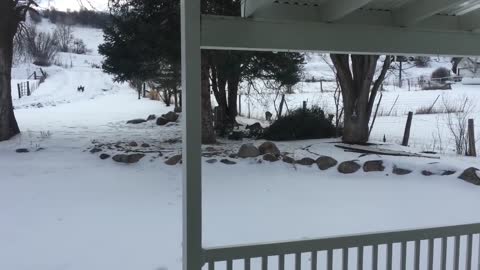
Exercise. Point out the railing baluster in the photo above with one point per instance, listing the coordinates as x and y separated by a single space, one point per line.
456 254
330 259
468 264
211 265
360 258
417 255
444 253
375 257
431 249
389 256
281 262
298 261
403 256
230 265
264 263
247 263
345 259
314 260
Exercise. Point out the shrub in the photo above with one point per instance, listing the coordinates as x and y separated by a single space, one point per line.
64 34
79 47
421 61
441 74
42 47
301 125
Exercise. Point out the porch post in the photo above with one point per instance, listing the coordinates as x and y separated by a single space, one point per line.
191 107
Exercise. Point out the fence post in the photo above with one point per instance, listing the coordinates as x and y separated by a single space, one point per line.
280 110
19 91
28 88
304 106
406 135
472 151
240 104
321 85
144 87
35 75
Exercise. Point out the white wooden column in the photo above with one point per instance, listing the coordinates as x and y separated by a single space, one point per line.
192 174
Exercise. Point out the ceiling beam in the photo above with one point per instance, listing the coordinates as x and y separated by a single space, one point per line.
250 34
249 7
416 11
334 10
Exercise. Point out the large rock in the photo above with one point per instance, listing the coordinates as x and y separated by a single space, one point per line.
248 151
136 121
270 157
171 116
373 166
471 175
269 148
400 171
161 121
174 160
288 159
104 156
348 167
129 159
306 161
151 117
325 162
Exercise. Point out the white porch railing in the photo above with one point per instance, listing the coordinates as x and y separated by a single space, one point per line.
429 248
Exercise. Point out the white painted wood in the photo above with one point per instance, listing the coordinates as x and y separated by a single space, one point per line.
471 21
251 34
334 10
192 174
416 11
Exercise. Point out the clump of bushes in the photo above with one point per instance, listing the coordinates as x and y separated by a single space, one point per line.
301 125
79 47
441 74
41 47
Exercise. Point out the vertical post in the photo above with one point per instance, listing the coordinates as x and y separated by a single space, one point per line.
28 88
34 75
240 104
472 151
192 129
144 90
321 85
19 91
406 135
280 110
304 106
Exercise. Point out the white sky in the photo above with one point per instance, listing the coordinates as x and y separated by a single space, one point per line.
74 4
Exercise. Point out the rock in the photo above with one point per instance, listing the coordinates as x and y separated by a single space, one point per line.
325 162
399 171
151 117
233 156
448 172
133 144
305 161
248 151
171 116
471 175
145 145
22 150
373 166
427 173
129 159
178 109
269 148
95 150
212 161
104 156
270 157
348 167
162 121
174 160
288 159
136 121
227 161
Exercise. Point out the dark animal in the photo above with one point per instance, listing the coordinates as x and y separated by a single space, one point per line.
81 89
268 116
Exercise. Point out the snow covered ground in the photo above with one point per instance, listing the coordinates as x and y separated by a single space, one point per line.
63 208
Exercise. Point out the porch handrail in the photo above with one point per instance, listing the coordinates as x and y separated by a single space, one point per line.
329 244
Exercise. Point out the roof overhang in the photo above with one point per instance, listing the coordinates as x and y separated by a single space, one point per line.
448 27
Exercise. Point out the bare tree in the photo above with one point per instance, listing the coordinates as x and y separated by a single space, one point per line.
355 74
40 46
65 37
12 14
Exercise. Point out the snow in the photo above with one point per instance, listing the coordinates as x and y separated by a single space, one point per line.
64 208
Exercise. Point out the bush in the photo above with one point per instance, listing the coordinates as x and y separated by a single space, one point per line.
422 61
42 47
301 125
79 47
441 74
64 34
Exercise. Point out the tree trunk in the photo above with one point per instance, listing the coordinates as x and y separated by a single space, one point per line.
208 133
8 123
233 83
